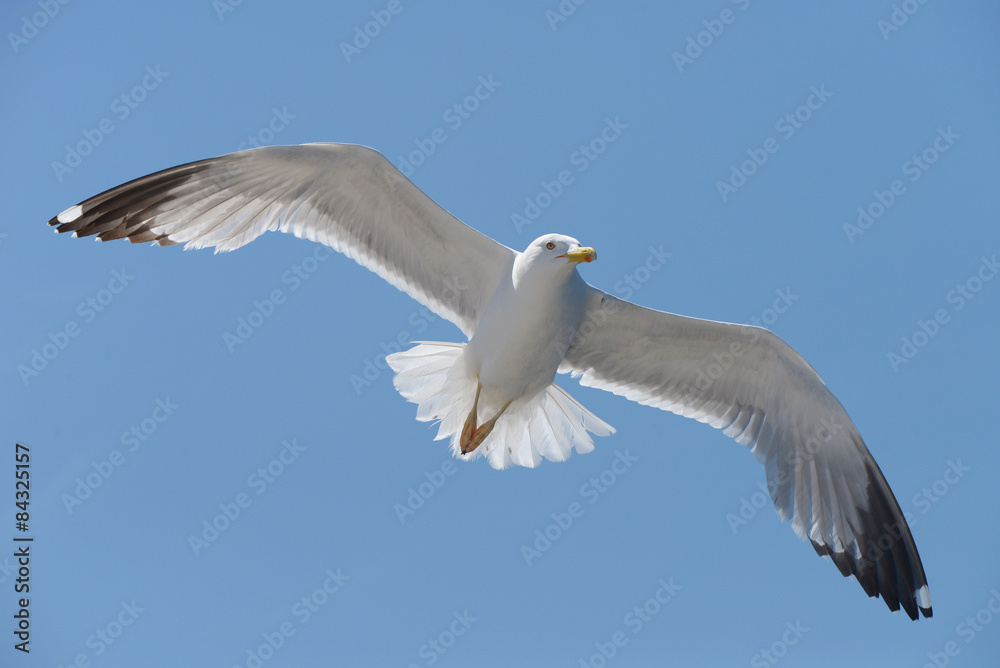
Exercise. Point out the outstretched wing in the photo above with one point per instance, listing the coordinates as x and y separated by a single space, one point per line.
347 197
750 384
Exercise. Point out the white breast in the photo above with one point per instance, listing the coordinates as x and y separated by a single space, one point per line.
524 333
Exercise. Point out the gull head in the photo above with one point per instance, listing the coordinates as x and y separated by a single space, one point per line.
558 250
552 258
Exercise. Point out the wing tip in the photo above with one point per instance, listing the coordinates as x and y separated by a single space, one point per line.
923 597
68 216
919 603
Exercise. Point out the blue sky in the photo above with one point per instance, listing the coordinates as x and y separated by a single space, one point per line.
829 171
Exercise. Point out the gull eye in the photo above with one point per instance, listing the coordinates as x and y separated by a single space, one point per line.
550 246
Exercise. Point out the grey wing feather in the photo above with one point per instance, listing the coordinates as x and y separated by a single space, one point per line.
348 197
750 384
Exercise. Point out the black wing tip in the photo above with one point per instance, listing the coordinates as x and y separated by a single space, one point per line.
914 610
124 211
63 221
888 564
910 601
136 235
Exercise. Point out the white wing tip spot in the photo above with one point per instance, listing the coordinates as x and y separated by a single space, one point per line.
924 597
70 214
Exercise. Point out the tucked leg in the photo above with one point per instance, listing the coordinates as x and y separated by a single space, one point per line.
470 422
482 432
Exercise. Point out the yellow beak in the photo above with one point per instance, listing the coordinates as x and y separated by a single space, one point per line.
581 254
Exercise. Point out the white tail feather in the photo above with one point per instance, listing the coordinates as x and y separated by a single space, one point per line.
550 424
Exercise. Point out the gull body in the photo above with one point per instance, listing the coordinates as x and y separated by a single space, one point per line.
526 329
528 316
524 332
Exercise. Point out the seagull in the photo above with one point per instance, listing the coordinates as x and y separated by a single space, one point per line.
527 316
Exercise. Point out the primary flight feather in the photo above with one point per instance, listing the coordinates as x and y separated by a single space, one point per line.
529 315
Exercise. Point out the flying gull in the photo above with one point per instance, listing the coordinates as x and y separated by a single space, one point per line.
528 315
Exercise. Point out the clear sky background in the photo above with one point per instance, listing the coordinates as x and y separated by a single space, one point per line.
449 583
